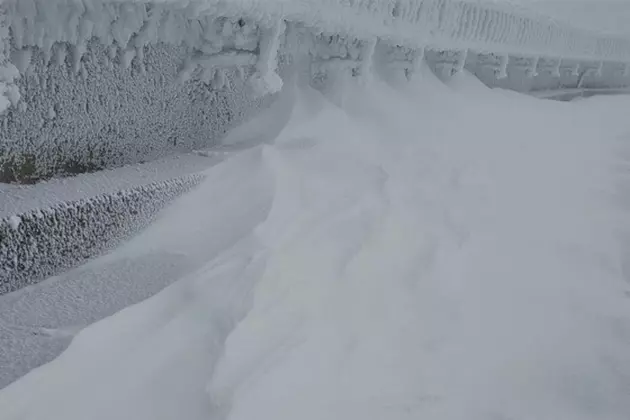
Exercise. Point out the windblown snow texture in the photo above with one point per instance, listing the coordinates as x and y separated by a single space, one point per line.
41 243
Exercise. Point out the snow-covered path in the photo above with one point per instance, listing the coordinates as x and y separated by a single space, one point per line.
406 251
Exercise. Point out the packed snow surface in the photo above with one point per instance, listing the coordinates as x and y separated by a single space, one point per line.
410 251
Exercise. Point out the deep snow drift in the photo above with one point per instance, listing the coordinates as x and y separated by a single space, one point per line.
411 251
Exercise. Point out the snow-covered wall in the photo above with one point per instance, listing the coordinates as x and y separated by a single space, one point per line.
108 86
110 115
91 84
41 243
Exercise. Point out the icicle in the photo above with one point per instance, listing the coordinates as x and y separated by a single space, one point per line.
22 59
461 61
367 60
240 71
140 56
532 70
83 72
416 63
589 72
555 72
127 57
186 71
599 72
12 92
219 79
47 50
79 50
112 52
266 79
503 66
575 72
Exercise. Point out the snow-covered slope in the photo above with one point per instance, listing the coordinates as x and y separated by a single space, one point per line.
413 250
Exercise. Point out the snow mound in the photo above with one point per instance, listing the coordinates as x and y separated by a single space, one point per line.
417 251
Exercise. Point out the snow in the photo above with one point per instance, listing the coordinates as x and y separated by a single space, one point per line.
17 199
405 250
602 16
130 80
4 101
115 116
14 222
449 24
31 317
53 240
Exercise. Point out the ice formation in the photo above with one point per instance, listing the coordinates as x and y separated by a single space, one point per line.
56 55
107 83
210 27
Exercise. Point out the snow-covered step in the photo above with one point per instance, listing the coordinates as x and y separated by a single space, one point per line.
17 199
40 243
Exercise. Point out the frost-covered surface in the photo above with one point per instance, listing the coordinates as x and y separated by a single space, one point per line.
490 26
400 251
99 83
113 116
18 199
9 94
43 242
38 322
603 16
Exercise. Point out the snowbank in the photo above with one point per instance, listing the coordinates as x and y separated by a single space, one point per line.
40 243
115 115
414 250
